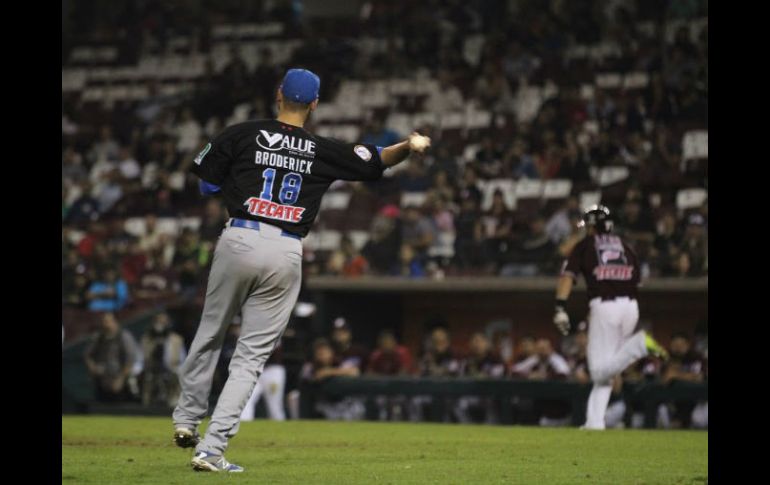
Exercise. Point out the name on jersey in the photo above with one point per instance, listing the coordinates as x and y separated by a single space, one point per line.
271 210
278 141
614 272
281 161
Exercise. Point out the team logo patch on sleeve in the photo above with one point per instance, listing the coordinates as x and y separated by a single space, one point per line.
202 154
363 153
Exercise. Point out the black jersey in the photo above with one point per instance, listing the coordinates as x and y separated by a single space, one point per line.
609 266
276 173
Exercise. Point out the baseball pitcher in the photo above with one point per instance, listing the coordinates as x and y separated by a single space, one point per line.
271 175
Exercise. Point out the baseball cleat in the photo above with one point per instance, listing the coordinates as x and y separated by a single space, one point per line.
186 438
209 462
654 348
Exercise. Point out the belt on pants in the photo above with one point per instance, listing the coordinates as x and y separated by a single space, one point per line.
612 298
248 224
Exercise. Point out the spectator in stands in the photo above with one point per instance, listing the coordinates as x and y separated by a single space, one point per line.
412 264
524 351
441 187
574 163
492 89
693 249
376 133
543 364
497 224
133 263
665 249
488 158
109 293
534 254
637 224
413 178
164 353
128 166
646 370
323 366
213 221
560 225
346 352
481 362
468 234
190 257
389 358
74 280
548 163
188 132
346 260
73 170
687 365
105 148
382 249
85 208
417 232
106 179
110 359
442 218
546 364
74 290
468 187
149 241
519 161
502 345
439 360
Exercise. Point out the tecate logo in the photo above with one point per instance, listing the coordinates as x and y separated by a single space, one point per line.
278 141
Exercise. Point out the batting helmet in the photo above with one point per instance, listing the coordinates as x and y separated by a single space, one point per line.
599 217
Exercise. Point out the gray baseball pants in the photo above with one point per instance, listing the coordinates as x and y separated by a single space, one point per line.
255 273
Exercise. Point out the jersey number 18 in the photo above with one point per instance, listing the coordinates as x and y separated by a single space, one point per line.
290 186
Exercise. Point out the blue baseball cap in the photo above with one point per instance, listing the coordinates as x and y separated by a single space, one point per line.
300 86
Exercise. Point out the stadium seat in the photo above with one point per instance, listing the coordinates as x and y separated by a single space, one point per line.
610 175
695 145
608 80
557 189
322 240
359 238
589 198
413 199
335 201
690 198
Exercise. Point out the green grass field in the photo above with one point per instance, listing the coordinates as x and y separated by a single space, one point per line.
125 450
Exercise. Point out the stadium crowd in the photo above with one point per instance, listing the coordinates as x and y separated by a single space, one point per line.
124 160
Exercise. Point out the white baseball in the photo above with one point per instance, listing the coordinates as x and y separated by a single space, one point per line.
419 142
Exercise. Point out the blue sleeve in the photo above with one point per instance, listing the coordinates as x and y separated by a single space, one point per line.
379 149
208 188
